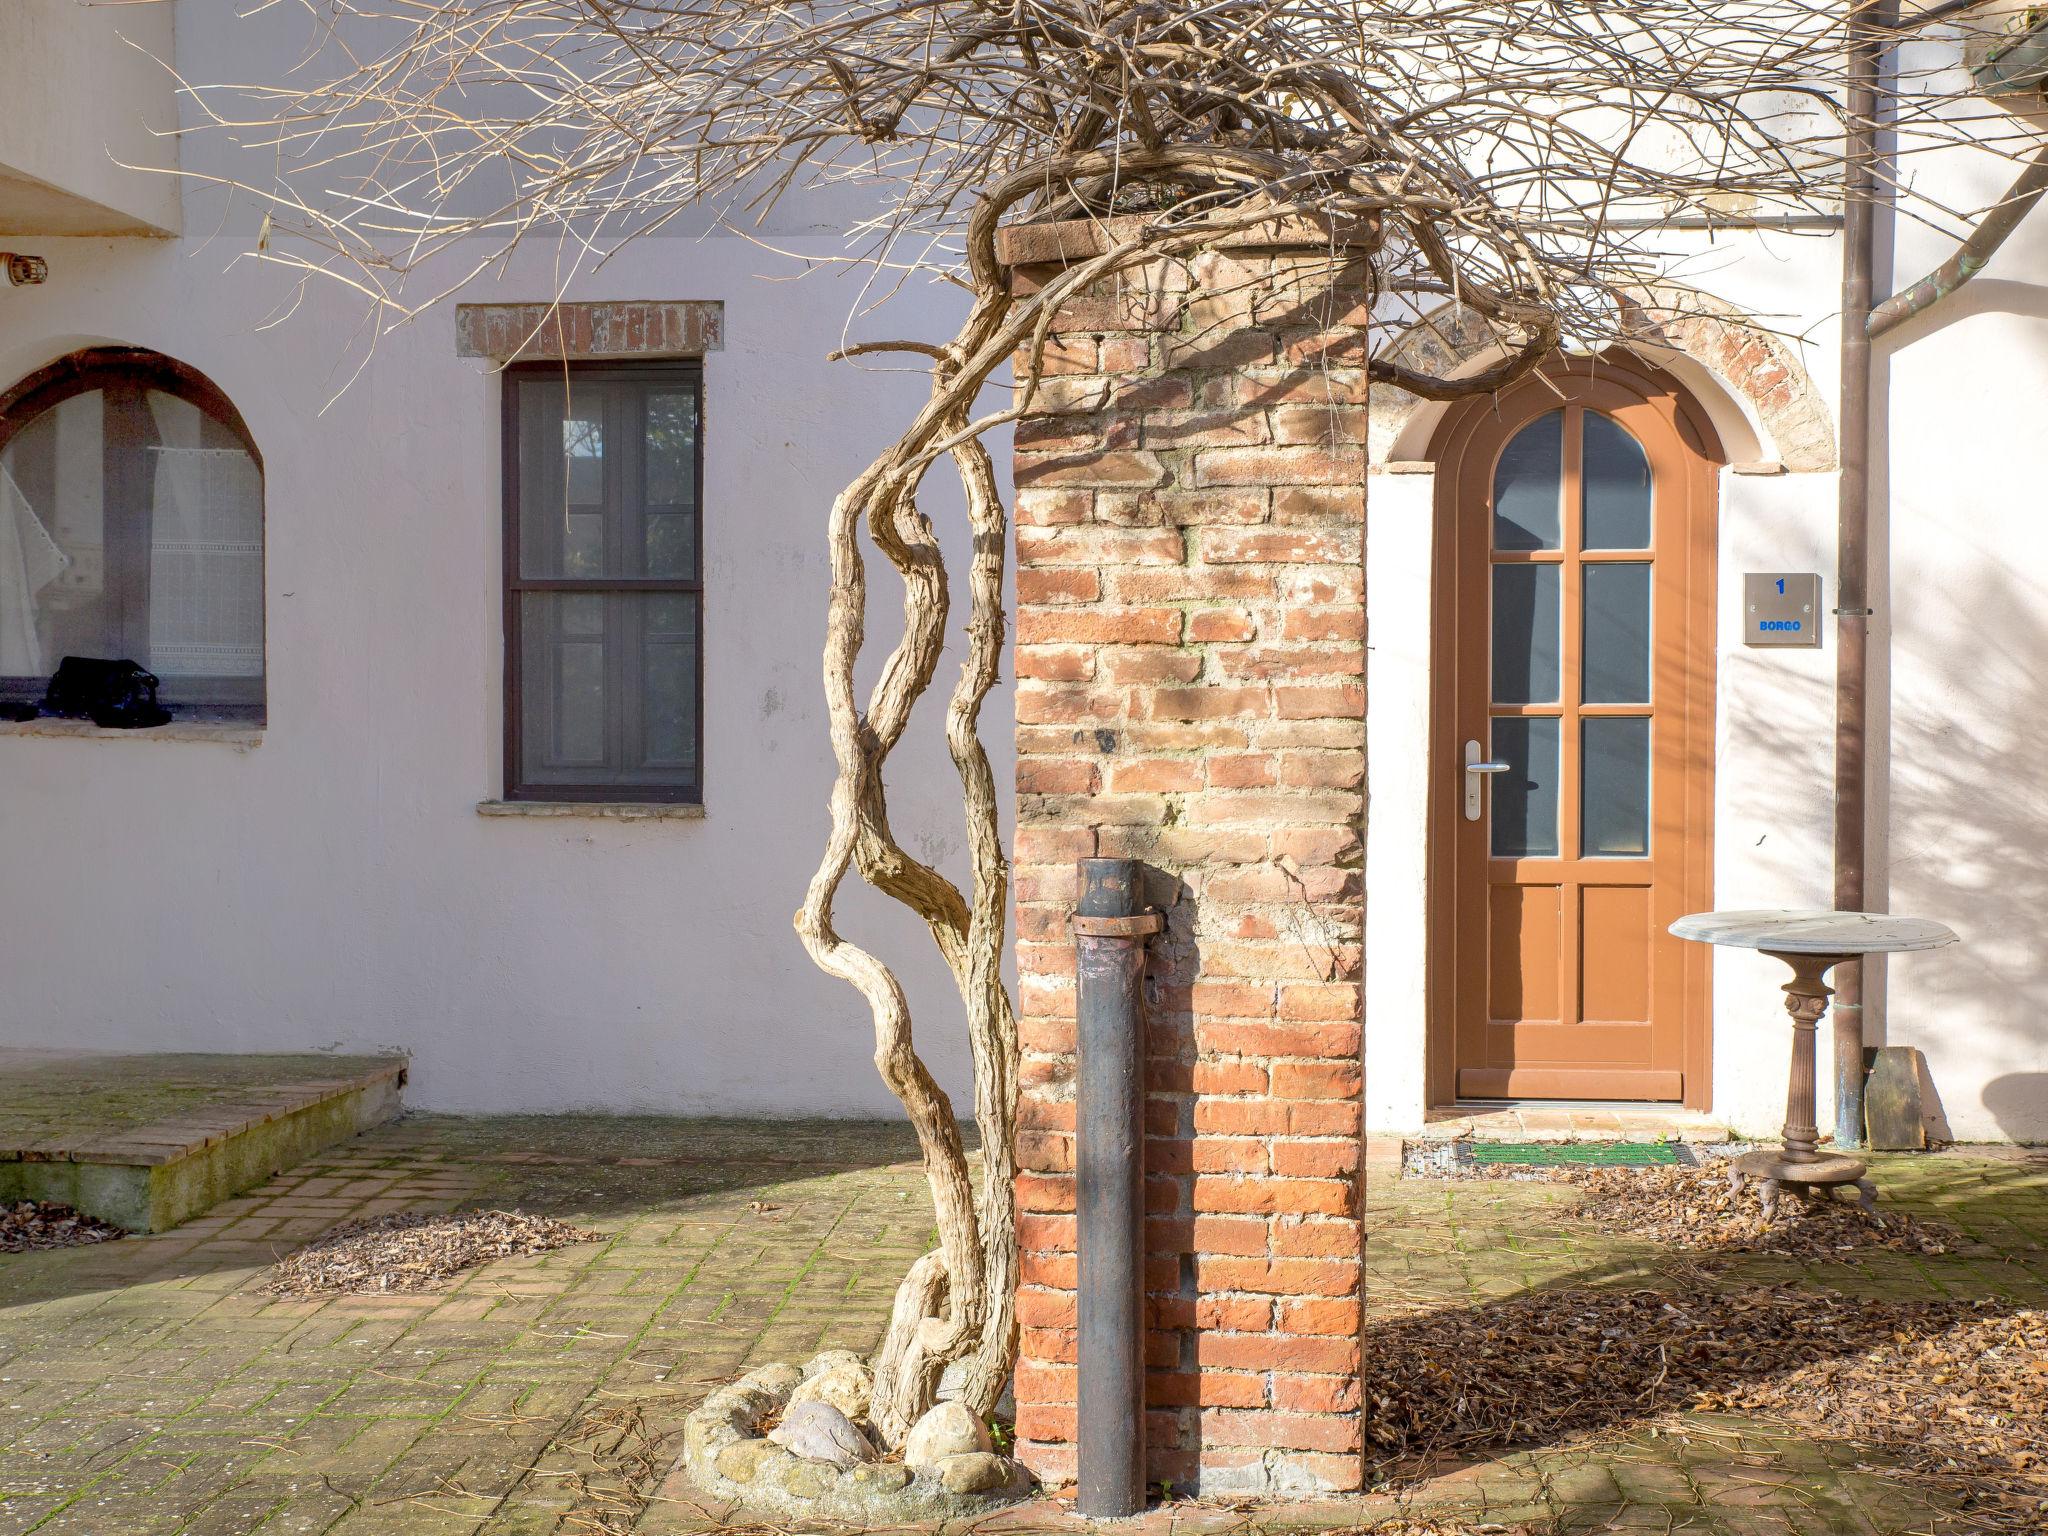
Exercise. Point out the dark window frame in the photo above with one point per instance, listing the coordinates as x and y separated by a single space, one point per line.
128 372
682 372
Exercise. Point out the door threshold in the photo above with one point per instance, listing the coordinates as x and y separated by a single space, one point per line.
1538 1120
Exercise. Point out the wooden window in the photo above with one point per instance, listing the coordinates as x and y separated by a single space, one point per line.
604 601
131 528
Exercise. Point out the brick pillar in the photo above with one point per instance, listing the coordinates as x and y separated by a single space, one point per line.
1190 516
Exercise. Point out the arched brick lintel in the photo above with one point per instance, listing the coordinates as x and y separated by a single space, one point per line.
1758 373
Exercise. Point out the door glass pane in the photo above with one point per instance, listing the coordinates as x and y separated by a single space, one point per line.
1527 486
1525 797
1614 811
1617 486
1617 633
1526 628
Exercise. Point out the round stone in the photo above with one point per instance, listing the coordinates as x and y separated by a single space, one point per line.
820 1432
811 1479
881 1477
951 1429
829 1359
742 1461
974 1472
847 1385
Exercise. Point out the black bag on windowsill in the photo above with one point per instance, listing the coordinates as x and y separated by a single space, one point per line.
115 695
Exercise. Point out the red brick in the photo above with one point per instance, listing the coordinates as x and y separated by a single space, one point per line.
1321 422
1045 1192
1315 1159
1316 1080
1056 663
1226 624
1247 770
1099 625
1279 466
1152 664
1042 1307
1284 1431
1278 546
1058 586
1160 774
1316 1394
1052 508
1231 1077
1275 1352
1278 1196
1240 1235
1335 1318
1051 776
1210 703
1317 1239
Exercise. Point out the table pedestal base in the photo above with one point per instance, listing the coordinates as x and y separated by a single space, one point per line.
1779 1174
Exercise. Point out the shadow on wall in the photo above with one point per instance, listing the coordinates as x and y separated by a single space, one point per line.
2018 1101
1968 829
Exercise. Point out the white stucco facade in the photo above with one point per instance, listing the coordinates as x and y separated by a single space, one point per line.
328 882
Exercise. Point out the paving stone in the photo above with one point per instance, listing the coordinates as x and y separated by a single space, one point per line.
147 1385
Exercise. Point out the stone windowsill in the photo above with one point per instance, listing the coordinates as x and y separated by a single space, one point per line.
598 810
225 732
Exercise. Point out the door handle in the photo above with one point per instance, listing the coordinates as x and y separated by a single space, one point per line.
1476 771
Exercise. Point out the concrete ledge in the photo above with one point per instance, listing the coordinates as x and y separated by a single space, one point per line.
600 810
220 732
151 1177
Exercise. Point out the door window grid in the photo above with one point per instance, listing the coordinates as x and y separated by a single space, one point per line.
1571 625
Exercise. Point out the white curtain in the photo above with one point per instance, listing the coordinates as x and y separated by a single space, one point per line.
29 561
206 564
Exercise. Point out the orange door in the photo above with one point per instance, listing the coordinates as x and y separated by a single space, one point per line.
1575 741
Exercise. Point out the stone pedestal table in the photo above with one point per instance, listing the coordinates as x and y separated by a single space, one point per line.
1809 942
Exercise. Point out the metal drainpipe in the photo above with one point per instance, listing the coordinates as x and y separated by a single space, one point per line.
1109 1179
1866 26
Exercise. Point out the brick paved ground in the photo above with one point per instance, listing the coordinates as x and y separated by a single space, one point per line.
145 1387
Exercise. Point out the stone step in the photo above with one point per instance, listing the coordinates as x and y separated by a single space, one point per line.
149 1141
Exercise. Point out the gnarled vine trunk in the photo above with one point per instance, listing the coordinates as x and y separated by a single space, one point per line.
958 1302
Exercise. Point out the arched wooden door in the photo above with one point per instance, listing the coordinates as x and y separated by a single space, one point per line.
1574 752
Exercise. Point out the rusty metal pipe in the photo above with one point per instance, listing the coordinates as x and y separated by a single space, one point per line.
1109 1194
1970 257
1868 24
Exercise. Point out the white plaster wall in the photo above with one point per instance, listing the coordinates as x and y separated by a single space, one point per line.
334 886
1400 539
1964 614
86 113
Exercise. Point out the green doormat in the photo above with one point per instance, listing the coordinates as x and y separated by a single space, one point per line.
1591 1154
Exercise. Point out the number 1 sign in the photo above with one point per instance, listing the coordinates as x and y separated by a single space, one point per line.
1781 609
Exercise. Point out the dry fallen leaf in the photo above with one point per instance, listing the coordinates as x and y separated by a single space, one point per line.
410 1252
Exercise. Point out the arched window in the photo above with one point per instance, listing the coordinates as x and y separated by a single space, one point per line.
131 528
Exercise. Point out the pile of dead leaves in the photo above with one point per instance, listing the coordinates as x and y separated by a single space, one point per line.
1697 1208
400 1253
1949 1387
1968 1402
32 1225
